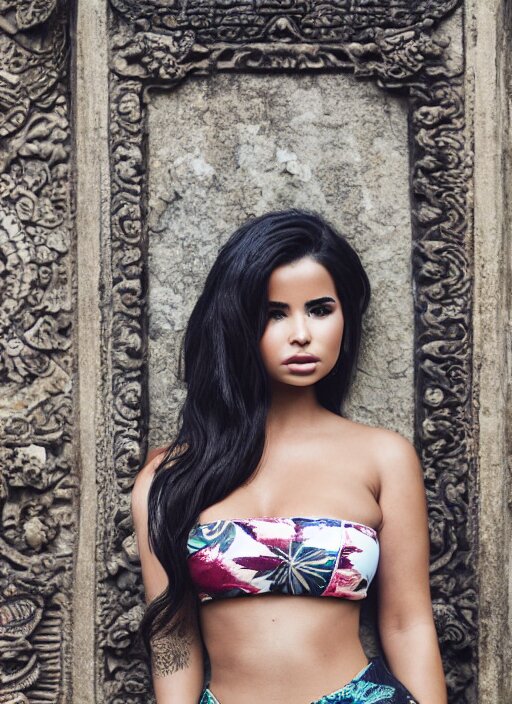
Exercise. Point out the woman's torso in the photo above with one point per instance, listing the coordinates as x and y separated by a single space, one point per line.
294 648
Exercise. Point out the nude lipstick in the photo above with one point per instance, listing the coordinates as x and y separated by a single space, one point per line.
301 363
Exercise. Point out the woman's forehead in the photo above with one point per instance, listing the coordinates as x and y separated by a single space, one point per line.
300 278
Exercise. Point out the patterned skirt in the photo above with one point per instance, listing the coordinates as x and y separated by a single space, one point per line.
375 684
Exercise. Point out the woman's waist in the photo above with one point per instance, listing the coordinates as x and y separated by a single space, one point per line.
250 633
284 659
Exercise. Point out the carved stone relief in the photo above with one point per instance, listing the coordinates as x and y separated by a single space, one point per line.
38 479
398 47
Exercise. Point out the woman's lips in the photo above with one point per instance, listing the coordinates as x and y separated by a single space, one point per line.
301 367
301 358
302 364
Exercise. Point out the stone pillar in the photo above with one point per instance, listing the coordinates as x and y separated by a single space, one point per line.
488 77
90 96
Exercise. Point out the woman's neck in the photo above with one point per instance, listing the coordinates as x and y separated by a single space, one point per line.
293 409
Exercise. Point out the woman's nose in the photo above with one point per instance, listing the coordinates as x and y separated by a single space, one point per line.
300 331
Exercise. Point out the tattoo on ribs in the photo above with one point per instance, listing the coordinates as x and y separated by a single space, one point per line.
170 651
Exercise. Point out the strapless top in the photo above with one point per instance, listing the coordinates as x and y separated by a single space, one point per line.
298 555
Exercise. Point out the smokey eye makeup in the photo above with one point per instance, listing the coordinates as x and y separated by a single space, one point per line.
317 306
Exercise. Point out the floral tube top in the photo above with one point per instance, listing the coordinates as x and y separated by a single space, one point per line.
301 556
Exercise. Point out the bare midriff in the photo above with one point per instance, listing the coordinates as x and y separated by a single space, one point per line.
281 648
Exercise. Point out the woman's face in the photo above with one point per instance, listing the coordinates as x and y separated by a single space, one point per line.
305 319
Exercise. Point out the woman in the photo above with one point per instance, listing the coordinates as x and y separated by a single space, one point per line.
270 511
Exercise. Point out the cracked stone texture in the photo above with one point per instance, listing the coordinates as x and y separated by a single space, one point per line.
232 146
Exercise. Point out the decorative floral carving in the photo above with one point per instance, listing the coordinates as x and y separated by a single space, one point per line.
38 482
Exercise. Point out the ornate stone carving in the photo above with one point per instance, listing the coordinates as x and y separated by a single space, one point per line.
395 45
38 481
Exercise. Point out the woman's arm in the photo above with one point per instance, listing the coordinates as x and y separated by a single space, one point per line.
176 659
406 622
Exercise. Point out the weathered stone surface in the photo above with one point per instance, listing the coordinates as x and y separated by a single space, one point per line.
327 143
461 405
489 84
39 478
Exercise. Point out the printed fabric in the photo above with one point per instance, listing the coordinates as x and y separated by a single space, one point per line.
375 684
300 556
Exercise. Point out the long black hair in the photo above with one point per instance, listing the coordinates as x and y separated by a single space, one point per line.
221 433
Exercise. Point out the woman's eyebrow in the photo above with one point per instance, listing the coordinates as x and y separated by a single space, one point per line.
308 304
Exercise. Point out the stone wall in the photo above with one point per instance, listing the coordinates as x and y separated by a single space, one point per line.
40 479
134 137
324 142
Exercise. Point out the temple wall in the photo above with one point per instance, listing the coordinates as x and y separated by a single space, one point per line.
134 137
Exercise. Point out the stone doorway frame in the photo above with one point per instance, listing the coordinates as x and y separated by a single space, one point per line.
154 46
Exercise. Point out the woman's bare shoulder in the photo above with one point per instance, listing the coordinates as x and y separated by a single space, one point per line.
145 476
387 446
357 426
394 454
153 460
156 454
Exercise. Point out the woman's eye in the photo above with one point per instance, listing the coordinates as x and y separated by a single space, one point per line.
322 311
275 314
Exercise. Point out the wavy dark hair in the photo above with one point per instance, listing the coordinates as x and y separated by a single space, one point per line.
222 421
